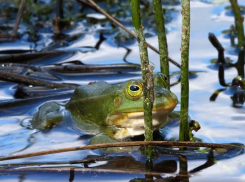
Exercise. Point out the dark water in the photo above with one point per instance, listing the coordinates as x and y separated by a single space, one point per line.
220 122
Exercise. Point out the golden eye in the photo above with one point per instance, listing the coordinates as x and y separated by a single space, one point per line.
134 89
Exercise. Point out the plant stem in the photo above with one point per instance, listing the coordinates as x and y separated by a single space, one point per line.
184 127
183 166
239 22
162 40
147 104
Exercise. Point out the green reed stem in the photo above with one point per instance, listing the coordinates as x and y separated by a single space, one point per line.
239 22
138 28
162 40
184 127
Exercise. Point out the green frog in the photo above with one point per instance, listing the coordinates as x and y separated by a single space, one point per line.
110 112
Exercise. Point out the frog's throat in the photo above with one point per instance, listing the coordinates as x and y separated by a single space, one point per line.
132 123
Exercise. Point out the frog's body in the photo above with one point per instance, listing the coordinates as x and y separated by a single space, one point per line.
115 110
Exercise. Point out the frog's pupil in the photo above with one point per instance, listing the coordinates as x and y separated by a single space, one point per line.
134 88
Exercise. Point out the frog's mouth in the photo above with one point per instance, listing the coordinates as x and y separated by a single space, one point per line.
132 123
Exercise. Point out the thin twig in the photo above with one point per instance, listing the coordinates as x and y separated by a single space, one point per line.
4 75
89 68
77 68
80 169
127 30
19 15
124 144
19 57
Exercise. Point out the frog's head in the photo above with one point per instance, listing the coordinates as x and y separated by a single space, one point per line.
128 113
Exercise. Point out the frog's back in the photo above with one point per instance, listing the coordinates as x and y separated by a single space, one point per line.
94 90
92 103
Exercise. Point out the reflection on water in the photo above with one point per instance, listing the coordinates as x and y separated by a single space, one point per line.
125 168
103 43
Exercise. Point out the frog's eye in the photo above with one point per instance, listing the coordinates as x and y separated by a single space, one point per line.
134 89
165 77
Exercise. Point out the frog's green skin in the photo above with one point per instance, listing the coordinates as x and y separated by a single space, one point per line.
109 109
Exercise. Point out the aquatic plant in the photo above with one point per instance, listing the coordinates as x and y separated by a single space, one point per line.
147 73
162 40
238 22
184 127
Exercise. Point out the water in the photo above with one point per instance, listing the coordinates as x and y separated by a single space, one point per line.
220 122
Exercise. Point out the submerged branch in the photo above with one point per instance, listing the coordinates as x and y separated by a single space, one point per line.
81 169
124 144
26 57
89 68
11 77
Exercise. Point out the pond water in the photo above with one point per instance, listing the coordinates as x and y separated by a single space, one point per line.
220 121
